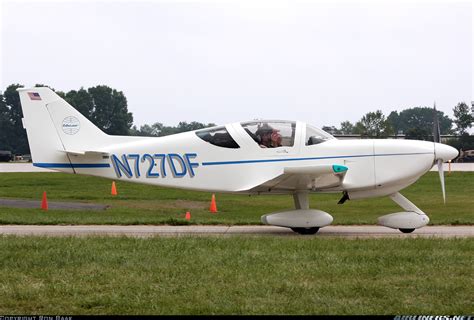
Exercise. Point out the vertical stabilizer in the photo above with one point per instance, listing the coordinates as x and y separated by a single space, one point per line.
53 127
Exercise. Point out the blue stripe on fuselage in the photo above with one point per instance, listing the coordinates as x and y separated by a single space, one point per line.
72 165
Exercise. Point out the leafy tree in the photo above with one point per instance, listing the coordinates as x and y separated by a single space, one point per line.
109 110
6 126
331 130
417 123
168 130
419 134
148 130
374 125
82 101
464 142
16 133
158 129
394 120
103 106
347 127
184 126
134 131
462 118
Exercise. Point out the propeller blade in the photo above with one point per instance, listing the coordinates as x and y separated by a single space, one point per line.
441 178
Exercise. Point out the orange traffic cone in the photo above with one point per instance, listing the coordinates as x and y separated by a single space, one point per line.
213 207
188 216
114 189
44 202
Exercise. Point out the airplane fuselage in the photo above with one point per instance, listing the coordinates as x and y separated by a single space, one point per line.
186 161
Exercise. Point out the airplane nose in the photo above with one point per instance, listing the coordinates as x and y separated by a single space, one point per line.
445 152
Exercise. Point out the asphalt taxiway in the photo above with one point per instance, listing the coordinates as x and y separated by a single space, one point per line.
256 230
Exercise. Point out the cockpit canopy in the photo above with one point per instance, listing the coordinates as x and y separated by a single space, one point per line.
315 135
266 133
271 134
218 136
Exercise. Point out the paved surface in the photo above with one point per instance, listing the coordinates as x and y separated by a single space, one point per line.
28 167
455 167
18 203
149 231
21 167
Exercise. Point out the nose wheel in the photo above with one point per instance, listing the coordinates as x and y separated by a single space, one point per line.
306 230
407 230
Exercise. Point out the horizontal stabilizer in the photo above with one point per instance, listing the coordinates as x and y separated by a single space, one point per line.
84 153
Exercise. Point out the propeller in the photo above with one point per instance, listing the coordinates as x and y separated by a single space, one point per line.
441 178
437 139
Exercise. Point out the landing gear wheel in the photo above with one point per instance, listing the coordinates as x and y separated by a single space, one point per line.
312 230
406 230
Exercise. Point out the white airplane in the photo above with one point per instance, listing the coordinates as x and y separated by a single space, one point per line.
252 157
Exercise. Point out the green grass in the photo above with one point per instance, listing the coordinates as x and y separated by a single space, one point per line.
235 275
144 204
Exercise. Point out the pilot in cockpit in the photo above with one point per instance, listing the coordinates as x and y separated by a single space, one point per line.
269 137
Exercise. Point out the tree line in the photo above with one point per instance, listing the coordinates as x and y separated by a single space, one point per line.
107 108
414 123
104 106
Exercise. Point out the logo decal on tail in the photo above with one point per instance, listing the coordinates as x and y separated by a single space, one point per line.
71 125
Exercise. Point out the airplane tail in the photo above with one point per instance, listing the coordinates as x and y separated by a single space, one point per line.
56 130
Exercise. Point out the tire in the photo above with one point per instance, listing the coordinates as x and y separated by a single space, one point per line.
407 230
312 230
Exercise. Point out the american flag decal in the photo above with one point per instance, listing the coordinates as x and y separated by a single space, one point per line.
34 95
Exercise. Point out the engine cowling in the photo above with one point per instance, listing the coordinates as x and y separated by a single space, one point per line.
298 218
404 220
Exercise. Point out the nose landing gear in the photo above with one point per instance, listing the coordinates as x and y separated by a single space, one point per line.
407 221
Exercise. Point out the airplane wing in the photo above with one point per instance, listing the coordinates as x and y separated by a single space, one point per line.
314 178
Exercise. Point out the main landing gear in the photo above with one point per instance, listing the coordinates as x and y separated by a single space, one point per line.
306 221
302 220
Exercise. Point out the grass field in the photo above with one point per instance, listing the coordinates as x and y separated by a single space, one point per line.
143 204
235 275
229 275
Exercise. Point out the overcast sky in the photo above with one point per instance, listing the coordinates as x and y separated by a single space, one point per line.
221 62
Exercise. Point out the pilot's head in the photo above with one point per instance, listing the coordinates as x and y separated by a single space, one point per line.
264 132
